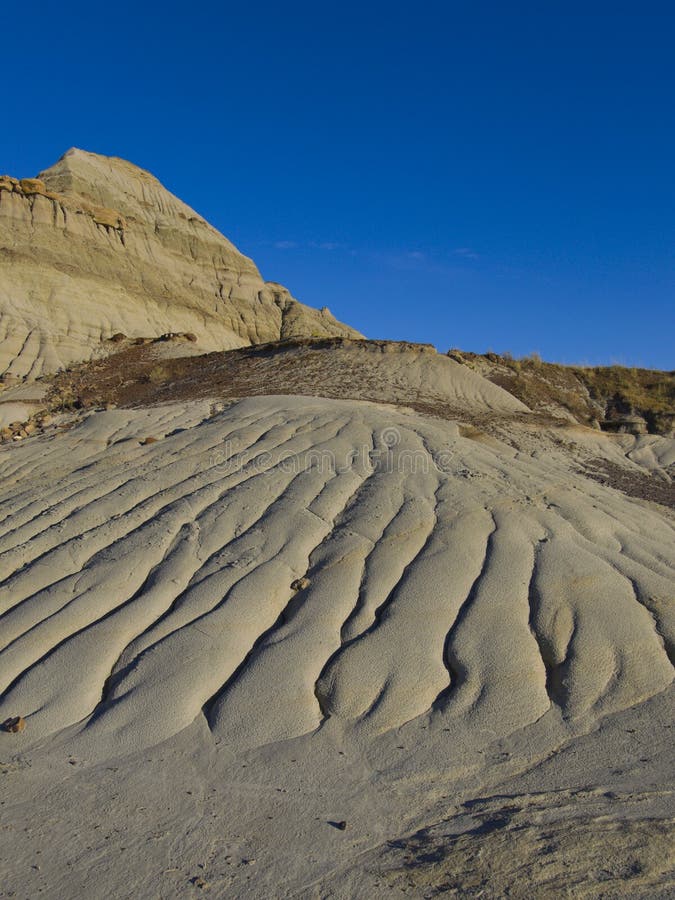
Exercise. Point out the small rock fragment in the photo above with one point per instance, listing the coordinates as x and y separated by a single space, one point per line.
300 584
14 724
32 186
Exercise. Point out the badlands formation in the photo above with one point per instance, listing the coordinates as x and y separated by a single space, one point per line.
96 246
323 617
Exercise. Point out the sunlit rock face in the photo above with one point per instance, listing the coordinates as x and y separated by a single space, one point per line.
97 246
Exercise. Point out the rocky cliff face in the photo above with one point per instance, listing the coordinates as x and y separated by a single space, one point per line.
96 246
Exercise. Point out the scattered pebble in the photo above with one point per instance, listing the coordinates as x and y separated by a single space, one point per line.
300 584
14 724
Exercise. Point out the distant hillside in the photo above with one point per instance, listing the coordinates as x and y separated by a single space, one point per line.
613 398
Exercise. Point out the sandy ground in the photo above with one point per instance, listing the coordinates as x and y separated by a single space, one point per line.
423 817
286 614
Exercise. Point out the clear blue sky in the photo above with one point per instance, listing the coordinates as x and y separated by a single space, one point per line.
484 175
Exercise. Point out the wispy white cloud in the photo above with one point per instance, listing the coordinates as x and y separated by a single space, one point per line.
426 260
327 245
313 245
466 252
430 260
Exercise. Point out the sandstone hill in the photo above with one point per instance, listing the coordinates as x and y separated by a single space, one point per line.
95 246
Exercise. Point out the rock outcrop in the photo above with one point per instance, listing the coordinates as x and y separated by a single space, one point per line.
96 246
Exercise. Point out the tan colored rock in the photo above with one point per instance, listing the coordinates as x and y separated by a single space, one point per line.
32 186
108 217
14 725
300 584
100 247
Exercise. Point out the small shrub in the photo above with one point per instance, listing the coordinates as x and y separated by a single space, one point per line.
158 375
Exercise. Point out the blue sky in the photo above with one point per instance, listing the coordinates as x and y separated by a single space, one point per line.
484 175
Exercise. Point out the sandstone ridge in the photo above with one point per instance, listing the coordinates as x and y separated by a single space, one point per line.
96 246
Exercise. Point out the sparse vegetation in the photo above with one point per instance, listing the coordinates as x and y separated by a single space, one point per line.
472 433
159 374
649 393
600 396
65 399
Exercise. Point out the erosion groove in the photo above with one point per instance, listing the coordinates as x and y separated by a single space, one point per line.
456 671
552 665
160 578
